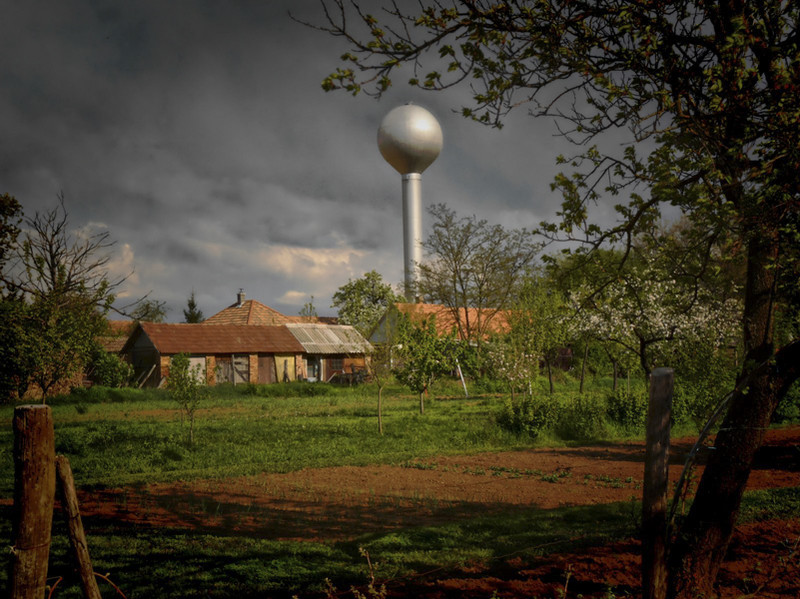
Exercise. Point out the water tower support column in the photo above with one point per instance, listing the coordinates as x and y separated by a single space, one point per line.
412 232
410 139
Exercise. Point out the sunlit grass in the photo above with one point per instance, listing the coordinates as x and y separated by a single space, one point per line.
143 440
124 436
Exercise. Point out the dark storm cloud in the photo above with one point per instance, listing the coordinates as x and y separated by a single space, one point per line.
198 135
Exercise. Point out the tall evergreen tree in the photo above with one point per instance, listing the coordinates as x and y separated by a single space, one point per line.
192 314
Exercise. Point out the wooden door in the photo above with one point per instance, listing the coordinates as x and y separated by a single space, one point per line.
266 370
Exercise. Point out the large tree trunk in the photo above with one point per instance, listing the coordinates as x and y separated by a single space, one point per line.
703 538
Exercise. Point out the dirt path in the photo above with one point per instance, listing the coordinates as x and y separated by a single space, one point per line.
329 502
346 502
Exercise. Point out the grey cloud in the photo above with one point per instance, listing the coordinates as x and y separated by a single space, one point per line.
199 134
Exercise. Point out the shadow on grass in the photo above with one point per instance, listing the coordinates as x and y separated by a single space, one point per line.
157 561
167 561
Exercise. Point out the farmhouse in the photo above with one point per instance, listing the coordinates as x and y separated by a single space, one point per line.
245 353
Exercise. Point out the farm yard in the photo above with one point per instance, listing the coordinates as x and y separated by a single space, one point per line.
290 490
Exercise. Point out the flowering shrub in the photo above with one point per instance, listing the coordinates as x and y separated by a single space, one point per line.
650 315
513 366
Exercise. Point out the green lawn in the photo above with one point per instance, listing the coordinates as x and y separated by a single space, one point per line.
142 438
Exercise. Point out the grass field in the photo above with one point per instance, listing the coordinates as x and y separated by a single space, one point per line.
118 438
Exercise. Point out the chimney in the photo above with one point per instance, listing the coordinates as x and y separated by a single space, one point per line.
240 298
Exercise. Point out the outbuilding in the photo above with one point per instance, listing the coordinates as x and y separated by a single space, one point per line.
228 353
225 353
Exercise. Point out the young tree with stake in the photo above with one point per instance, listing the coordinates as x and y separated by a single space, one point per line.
186 386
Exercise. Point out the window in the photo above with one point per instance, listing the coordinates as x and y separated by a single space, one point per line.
337 363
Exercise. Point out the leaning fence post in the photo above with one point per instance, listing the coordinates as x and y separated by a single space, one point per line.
34 494
77 537
656 472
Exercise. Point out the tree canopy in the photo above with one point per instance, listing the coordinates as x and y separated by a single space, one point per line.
362 302
422 354
308 310
707 97
10 218
470 263
58 291
149 310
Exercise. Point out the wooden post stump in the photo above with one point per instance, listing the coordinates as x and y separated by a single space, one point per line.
656 482
77 537
34 494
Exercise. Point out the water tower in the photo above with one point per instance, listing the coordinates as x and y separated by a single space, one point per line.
410 139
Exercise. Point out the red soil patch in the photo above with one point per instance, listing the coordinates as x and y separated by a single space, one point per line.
331 504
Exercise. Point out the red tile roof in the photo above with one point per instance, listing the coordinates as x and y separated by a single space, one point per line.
251 312
118 333
492 321
120 328
208 339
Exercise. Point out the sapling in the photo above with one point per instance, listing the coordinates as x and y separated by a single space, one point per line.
186 387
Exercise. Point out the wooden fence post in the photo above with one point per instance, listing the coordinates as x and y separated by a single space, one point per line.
77 537
656 471
34 494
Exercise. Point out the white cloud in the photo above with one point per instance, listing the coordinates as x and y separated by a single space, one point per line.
122 266
307 263
294 298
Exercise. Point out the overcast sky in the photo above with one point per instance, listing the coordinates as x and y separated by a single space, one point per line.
197 134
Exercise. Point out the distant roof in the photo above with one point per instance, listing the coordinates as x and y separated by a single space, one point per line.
329 339
210 339
252 312
118 333
494 321
121 327
249 312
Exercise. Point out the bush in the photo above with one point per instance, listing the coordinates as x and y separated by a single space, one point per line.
583 417
109 370
529 415
628 409
695 401
97 394
788 409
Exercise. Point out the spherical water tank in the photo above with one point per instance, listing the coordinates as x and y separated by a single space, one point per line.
409 138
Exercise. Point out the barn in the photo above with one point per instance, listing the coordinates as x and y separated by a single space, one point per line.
246 353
